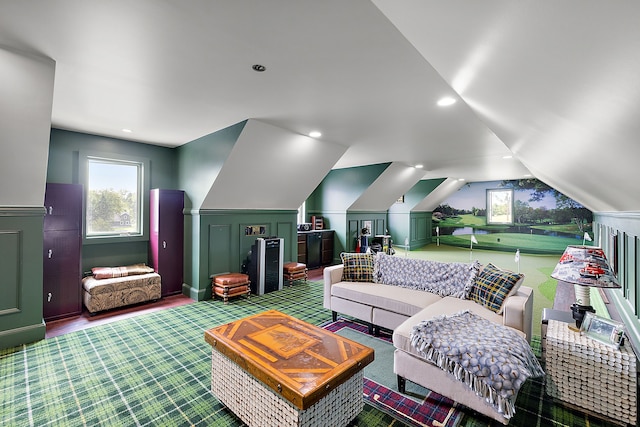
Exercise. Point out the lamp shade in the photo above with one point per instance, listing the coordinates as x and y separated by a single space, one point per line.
586 266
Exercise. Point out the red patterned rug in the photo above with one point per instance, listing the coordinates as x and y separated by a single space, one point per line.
419 407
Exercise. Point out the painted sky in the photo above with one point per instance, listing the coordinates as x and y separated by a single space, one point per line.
474 195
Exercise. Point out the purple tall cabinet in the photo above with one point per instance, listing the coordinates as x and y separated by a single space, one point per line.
62 243
167 237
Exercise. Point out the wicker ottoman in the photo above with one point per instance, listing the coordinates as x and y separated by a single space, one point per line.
231 285
273 370
293 271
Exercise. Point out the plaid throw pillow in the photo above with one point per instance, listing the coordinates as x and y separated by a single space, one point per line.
357 267
492 287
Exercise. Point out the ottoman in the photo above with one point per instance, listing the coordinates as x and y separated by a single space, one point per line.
293 271
230 285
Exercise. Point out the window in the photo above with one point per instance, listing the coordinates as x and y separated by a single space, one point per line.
302 213
114 202
500 206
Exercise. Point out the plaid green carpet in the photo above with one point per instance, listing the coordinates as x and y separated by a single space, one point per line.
154 370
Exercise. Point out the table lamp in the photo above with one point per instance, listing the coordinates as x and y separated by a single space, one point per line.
585 267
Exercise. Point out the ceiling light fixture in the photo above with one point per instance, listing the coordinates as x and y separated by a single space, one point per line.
315 134
460 179
259 68
419 166
507 157
127 130
446 101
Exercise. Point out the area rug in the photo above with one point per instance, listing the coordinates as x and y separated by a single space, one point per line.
419 406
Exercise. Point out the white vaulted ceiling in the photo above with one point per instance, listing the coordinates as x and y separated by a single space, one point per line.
554 84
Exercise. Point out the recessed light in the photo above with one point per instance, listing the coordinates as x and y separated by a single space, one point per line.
259 68
419 166
446 101
527 175
127 130
507 157
460 179
315 134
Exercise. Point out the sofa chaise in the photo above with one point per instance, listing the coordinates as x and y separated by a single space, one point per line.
398 293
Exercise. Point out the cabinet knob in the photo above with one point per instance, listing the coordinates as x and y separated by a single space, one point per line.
49 297
164 244
50 253
50 210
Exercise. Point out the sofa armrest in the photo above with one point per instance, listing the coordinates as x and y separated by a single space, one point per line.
518 311
331 275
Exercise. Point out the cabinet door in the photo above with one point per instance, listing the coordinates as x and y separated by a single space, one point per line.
302 248
61 274
63 205
314 249
167 238
327 247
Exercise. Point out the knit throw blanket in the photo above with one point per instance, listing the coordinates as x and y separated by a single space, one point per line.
441 278
493 360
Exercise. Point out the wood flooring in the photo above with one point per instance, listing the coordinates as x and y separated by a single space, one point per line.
85 320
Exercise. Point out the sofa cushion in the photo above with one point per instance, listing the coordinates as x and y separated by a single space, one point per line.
446 306
493 285
392 298
442 278
357 267
124 271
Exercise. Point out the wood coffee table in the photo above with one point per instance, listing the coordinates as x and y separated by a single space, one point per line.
274 369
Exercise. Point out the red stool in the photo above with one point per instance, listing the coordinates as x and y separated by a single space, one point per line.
231 285
293 271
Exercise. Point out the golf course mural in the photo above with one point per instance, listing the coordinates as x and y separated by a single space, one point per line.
525 215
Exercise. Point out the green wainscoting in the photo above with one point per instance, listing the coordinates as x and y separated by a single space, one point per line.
21 231
218 243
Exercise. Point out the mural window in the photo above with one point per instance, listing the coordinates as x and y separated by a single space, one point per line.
500 206
114 198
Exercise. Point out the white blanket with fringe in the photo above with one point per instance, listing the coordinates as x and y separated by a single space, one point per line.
492 359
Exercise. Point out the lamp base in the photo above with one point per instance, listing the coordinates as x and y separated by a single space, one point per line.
579 312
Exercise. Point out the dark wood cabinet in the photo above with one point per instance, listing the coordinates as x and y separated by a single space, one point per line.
166 238
327 247
315 248
62 243
302 248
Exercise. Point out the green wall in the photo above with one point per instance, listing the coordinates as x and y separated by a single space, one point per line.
63 167
21 231
223 245
412 226
333 197
200 161
618 233
342 187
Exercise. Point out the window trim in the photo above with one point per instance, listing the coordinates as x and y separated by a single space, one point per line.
144 188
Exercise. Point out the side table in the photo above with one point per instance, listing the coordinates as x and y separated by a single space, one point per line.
591 375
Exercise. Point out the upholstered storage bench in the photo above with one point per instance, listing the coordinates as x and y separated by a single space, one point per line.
294 271
230 285
104 294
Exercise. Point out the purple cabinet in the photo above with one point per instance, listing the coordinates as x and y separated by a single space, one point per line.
62 245
167 237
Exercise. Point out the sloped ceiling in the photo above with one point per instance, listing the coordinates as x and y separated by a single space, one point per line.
393 182
271 168
557 82
553 84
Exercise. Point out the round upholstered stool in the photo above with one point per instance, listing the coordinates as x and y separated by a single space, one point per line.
230 285
294 271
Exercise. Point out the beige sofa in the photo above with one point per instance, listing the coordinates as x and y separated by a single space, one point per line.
399 308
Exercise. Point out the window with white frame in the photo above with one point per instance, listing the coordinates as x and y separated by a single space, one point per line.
114 201
302 213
